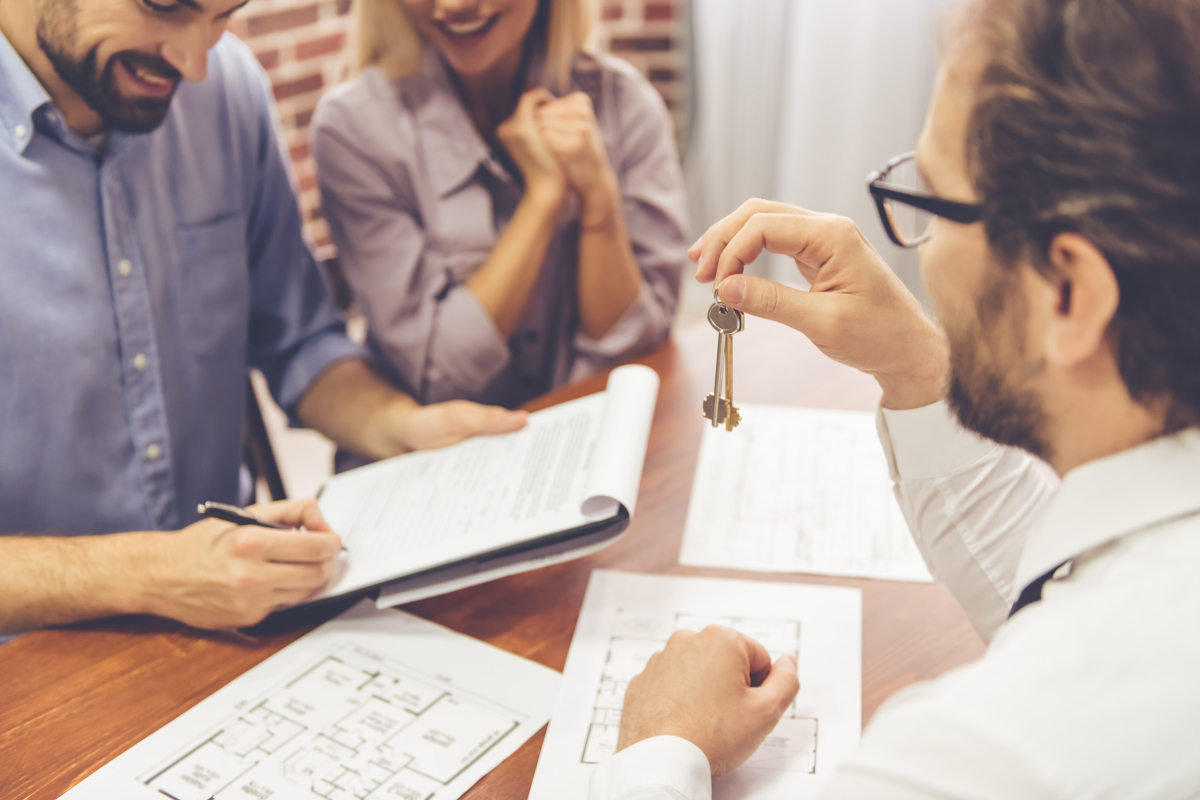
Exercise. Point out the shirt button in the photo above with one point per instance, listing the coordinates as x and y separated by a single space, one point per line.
139 362
153 452
19 131
124 267
51 116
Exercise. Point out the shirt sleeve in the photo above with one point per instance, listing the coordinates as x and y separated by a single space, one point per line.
654 204
658 768
295 331
430 327
969 502
912 750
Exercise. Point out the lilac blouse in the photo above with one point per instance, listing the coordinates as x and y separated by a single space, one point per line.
416 200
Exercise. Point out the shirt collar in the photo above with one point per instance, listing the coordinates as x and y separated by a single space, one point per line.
21 94
1111 497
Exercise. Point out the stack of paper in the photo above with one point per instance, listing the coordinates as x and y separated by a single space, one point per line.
798 490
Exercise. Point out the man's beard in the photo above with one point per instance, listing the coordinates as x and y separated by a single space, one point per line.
55 33
989 377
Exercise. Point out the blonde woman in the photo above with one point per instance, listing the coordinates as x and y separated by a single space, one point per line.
508 207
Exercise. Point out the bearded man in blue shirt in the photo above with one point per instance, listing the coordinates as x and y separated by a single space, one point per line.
152 252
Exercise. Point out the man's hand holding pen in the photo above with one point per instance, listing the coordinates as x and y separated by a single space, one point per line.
218 574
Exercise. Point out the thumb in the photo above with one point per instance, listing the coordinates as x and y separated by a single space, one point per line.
781 685
493 419
759 297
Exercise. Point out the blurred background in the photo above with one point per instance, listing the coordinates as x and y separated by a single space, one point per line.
791 100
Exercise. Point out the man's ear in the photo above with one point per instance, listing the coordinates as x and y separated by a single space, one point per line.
1085 294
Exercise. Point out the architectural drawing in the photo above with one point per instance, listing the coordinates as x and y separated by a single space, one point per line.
351 724
637 636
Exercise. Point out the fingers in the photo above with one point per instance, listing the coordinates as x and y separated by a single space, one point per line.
781 685
473 419
297 513
810 239
294 577
810 313
292 547
573 108
706 251
528 105
758 660
532 100
523 121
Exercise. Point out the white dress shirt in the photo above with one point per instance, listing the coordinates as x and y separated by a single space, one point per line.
1092 692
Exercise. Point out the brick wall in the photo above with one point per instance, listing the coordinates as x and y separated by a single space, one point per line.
305 47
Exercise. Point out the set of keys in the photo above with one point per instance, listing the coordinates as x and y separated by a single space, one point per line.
718 406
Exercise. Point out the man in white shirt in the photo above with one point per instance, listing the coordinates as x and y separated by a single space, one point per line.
1057 206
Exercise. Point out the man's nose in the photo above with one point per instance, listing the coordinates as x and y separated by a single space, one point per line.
187 52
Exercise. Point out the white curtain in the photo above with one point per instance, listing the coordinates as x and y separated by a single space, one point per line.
798 100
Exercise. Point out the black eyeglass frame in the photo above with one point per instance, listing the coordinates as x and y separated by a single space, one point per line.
962 213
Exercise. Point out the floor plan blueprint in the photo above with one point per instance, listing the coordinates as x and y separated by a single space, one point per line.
637 636
627 618
409 712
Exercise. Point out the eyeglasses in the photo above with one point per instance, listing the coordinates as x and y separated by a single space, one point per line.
906 205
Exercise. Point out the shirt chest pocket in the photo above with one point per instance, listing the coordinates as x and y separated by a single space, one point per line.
214 302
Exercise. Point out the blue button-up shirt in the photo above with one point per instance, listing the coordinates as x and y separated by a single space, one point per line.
139 279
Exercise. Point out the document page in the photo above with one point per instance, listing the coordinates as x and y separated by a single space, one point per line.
574 463
798 490
373 704
626 618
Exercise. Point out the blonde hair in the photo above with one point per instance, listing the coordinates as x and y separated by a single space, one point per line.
388 39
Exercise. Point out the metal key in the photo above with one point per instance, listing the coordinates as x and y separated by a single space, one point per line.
718 406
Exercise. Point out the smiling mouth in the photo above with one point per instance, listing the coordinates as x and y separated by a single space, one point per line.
152 80
466 30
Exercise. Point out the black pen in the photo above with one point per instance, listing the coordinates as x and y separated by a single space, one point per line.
228 513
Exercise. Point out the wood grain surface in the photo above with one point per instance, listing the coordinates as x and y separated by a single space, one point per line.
75 697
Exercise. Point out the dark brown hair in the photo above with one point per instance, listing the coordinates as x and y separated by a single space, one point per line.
1088 120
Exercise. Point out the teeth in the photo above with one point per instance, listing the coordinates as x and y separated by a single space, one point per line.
150 77
466 28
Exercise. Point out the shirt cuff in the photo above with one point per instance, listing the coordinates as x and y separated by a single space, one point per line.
666 762
927 442
640 325
314 357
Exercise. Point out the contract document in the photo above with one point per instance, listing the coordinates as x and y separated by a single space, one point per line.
798 490
566 484
626 618
373 704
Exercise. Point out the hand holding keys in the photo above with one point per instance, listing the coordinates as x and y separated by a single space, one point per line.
719 406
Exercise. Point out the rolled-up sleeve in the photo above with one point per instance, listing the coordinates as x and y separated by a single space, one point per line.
655 207
969 502
295 332
429 325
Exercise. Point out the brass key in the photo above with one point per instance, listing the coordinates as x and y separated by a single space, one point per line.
718 406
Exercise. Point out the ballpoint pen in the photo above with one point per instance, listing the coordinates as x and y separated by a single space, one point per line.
228 513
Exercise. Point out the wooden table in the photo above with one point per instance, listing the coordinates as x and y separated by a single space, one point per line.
75 697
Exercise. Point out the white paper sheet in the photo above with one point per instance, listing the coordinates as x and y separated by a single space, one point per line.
573 463
626 618
798 490
377 703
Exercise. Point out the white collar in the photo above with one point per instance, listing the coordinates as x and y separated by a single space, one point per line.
1111 497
